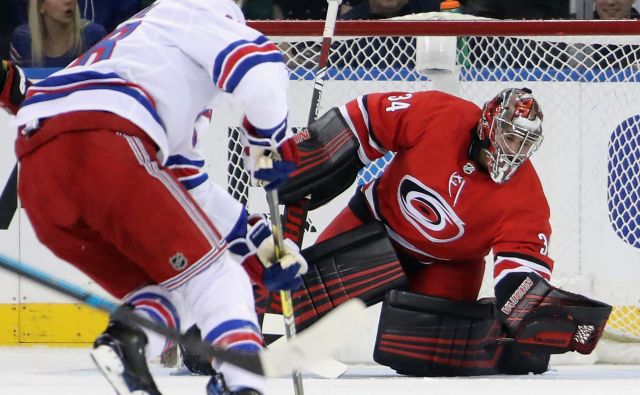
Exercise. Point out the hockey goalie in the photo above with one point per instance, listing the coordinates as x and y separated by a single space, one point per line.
460 186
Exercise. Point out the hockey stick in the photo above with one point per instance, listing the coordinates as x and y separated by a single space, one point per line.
295 229
296 214
9 199
285 296
272 362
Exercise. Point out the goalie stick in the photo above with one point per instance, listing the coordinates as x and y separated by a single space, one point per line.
296 215
285 296
322 338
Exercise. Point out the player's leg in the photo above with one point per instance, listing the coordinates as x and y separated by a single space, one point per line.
459 280
121 193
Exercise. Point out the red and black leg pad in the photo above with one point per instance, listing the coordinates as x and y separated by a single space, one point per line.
328 162
360 263
539 317
425 336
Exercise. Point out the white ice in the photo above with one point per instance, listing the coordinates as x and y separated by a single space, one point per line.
69 371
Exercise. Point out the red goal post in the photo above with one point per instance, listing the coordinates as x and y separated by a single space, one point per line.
586 75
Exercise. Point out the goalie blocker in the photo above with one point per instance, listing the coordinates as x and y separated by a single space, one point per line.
425 336
328 162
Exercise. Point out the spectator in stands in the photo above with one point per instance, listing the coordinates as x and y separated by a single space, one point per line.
297 9
260 9
8 21
110 13
615 9
54 35
347 5
510 9
381 9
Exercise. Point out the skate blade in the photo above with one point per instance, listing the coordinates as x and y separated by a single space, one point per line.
112 368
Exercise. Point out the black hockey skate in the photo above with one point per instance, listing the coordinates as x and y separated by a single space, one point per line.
119 353
217 386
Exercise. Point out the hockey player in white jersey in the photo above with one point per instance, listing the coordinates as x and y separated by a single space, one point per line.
99 143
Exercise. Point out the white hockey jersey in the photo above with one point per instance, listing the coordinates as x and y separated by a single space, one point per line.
160 70
163 66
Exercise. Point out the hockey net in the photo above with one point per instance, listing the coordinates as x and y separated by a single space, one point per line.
586 76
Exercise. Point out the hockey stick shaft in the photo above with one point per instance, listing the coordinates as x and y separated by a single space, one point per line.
323 62
285 296
318 86
250 362
9 199
295 229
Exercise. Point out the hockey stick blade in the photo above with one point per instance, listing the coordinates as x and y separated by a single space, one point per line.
323 366
268 362
316 342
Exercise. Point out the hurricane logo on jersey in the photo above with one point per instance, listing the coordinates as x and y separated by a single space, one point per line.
428 212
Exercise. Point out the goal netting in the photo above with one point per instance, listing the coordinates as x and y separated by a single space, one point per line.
586 77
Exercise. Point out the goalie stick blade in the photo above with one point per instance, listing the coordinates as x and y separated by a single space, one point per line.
319 340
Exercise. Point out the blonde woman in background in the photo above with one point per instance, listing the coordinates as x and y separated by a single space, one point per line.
54 36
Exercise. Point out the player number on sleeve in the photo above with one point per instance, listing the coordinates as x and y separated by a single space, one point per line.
545 243
397 102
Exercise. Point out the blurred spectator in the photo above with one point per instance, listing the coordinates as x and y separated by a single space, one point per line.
512 9
615 9
54 36
109 13
347 5
300 9
380 9
260 9
8 21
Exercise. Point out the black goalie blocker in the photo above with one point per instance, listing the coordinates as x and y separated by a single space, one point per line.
425 336
328 162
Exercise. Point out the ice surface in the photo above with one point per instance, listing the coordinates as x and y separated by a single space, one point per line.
69 371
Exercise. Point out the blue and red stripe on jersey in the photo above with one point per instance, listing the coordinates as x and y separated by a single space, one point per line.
233 62
187 171
60 86
158 307
241 335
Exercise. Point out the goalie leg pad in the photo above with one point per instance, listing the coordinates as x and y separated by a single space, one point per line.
328 162
360 263
421 335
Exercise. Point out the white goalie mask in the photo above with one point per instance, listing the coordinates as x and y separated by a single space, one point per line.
510 132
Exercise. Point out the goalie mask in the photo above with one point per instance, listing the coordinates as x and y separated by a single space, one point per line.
509 132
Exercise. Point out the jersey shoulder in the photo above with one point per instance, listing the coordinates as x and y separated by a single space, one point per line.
525 189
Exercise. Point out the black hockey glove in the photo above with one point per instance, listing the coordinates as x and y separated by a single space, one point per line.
547 319
13 86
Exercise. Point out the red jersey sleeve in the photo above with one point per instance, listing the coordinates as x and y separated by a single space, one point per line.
522 242
394 121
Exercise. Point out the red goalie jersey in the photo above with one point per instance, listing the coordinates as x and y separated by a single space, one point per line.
442 210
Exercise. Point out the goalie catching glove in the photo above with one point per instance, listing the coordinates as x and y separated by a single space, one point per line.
541 317
260 258
269 158
13 86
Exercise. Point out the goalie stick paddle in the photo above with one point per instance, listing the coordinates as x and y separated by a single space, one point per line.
324 337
